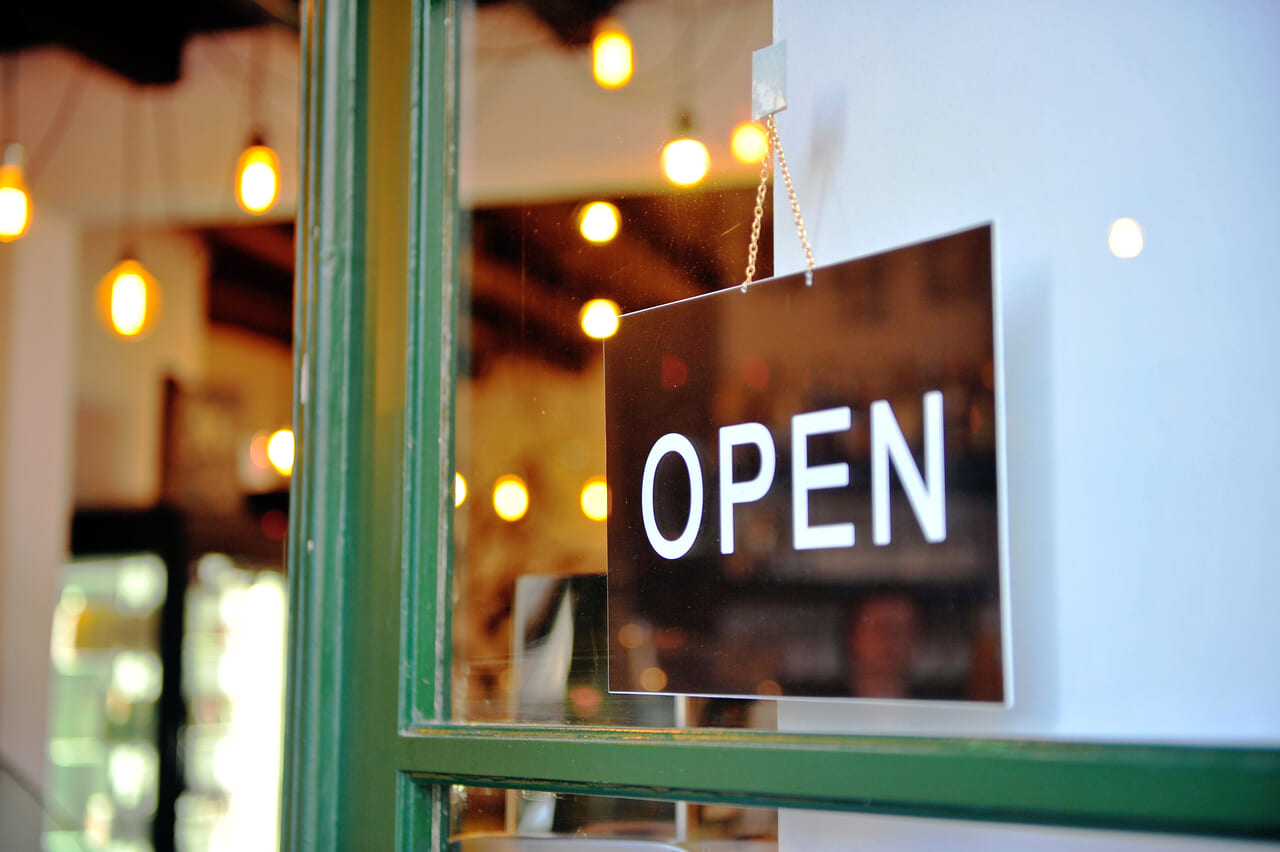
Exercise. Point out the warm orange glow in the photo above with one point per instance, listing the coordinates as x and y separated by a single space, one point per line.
459 490
595 499
598 222
510 498
15 203
280 451
685 161
128 298
611 57
599 318
749 143
257 179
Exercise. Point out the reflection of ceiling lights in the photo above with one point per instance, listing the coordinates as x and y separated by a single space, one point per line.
510 498
749 143
1125 238
595 499
685 161
280 451
598 222
599 318
611 56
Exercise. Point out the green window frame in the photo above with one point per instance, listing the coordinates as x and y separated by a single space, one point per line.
370 750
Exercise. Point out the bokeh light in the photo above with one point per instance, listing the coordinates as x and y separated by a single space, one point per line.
599 318
459 490
510 498
280 451
749 143
595 499
1125 238
257 179
685 161
15 203
611 57
599 222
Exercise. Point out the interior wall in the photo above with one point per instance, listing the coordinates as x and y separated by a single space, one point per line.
36 340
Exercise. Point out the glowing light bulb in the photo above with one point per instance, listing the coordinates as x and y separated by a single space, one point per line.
749 144
257 178
685 161
15 201
599 221
459 490
1125 238
128 298
599 318
510 498
280 451
128 303
611 57
595 499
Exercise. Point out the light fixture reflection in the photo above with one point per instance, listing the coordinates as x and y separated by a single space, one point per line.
128 298
510 498
749 144
1125 238
598 222
15 201
257 178
599 318
595 499
280 451
611 57
459 490
685 161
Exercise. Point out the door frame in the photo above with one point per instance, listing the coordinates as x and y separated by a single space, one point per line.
370 750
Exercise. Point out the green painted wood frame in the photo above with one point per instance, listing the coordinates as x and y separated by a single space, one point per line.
369 750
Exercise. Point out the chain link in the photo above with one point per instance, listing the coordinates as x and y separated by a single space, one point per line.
773 141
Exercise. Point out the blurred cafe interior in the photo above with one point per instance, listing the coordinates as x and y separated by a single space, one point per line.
147 252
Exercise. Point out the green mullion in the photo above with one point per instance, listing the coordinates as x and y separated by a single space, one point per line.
430 366
328 374
1216 791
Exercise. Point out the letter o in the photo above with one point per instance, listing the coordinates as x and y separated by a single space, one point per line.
672 442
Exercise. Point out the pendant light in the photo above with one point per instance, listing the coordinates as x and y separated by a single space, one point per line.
258 169
15 201
685 160
128 295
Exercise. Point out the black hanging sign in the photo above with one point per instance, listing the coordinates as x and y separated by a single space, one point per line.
805 487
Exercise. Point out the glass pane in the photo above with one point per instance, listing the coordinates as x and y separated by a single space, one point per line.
564 202
497 820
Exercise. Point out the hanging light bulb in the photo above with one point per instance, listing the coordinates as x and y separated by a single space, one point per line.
257 177
15 201
598 222
129 298
611 56
685 160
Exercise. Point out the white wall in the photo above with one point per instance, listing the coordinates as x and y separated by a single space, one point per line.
1141 410
35 405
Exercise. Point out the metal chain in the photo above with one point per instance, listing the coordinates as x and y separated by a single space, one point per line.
776 141
765 162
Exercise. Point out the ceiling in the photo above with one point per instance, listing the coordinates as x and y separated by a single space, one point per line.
538 136
140 40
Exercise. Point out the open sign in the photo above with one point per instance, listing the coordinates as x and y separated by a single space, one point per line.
791 464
